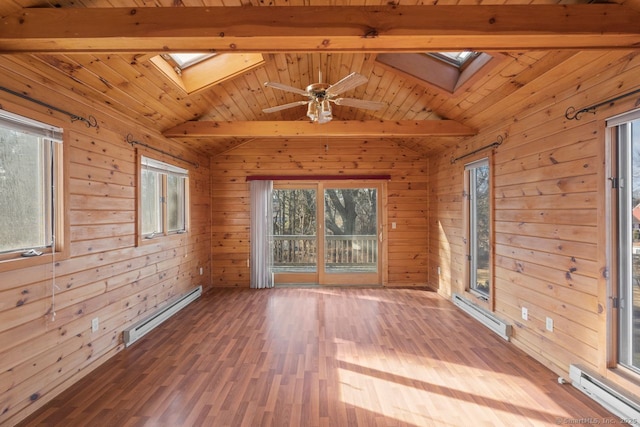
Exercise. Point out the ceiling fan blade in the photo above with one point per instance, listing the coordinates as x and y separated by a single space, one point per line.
359 103
283 106
288 88
351 81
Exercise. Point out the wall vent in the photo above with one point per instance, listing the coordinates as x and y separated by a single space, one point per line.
138 330
483 316
605 393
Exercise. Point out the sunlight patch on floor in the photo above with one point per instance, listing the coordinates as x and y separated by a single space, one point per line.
426 392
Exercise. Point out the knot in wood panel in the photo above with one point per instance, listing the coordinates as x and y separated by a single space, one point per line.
371 33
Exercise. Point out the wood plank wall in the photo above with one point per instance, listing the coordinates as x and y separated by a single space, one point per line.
106 275
407 198
549 204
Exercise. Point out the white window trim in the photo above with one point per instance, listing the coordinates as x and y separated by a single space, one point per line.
59 247
615 346
471 231
163 168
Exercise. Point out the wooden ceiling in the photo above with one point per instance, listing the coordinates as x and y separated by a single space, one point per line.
104 54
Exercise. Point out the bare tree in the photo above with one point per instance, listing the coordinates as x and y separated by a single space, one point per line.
351 211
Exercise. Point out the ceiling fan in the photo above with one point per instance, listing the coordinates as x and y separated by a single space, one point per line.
321 95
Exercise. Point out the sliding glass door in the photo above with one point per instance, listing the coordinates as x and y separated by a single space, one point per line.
350 235
295 230
342 248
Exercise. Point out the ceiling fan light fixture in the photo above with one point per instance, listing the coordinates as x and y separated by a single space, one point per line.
319 111
325 112
312 111
324 119
320 95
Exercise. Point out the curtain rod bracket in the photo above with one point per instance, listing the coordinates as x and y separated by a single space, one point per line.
91 122
129 139
573 114
494 144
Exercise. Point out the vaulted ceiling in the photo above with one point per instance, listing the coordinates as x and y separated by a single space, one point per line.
104 51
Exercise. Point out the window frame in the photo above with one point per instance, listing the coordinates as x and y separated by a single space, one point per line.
438 73
320 276
164 170
469 216
461 59
56 185
619 201
180 64
207 72
181 192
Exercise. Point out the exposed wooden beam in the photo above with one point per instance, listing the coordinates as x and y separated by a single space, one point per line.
274 129
325 28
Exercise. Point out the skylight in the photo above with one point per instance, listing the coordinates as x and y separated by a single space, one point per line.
185 60
458 59
192 72
448 71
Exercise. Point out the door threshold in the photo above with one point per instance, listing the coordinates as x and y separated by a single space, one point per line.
317 285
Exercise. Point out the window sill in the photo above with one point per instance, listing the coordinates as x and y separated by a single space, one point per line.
625 379
19 261
478 298
479 295
161 238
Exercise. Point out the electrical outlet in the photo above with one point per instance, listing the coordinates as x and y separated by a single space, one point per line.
95 324
549 324
525 313
393 225
439 271
201 271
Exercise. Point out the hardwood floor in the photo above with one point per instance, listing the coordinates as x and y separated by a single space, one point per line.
319 357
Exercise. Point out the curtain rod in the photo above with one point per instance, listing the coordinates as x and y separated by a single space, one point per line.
91 122
592 109
494 144
315 177
133 142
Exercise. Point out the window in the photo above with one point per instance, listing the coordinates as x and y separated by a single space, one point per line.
626 138
479 216
181 61
163 194
30 171
457 59
443 71
193 72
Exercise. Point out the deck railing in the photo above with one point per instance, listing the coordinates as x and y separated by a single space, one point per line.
294 250
301 251
354 249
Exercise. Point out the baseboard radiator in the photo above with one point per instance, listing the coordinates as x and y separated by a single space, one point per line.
605 393
483 316
138 330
